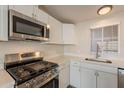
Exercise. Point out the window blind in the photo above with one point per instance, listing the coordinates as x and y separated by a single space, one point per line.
106 37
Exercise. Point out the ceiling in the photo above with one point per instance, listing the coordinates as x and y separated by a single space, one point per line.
76 13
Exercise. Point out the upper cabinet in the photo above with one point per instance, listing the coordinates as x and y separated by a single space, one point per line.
42 16
31 11
3 23
69 34
24 9
55 31
59 33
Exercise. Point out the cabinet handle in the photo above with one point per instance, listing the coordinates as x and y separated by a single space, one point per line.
96 74
32 14
79 69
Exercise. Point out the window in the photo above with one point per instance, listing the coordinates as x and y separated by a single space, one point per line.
106 38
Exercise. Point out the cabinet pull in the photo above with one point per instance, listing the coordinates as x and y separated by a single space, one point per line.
35 16
79 69
32 14
96 74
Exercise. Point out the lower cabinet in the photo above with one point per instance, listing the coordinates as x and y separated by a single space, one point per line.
75 74
67 75
97 76
64 76
87 75
88 78
106 80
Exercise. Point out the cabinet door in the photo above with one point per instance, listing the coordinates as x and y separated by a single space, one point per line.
61 78
67 75
75 76
88 78
55 31
24 9
106 80
3 23
69 33
64 76
42 16
35 12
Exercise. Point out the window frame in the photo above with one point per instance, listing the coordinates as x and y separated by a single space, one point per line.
102 27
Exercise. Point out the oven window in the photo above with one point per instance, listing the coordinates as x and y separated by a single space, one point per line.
23 26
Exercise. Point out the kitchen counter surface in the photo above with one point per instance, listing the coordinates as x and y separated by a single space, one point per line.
65 58
6 81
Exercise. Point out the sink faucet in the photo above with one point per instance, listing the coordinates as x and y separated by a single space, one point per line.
97 51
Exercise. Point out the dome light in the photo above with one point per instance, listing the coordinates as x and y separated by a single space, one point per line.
104 10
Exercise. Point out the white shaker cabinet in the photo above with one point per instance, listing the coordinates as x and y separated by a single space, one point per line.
98 76
69 34
42 16
24 9
61 33
75 74
106 80
64 76
88 78
55 31
67 75
3 23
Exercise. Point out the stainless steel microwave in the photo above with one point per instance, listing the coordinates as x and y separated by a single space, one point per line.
22 27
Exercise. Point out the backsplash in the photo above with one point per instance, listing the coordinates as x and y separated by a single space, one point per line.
31 46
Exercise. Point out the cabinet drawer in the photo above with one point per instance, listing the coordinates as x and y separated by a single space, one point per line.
75 63
99 68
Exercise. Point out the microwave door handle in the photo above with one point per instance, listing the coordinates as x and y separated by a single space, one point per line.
45 32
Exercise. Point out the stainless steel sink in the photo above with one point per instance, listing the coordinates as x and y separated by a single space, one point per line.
98 60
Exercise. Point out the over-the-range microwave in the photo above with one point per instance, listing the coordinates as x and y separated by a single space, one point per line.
22 27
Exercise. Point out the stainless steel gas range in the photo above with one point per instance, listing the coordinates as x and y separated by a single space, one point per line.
29 70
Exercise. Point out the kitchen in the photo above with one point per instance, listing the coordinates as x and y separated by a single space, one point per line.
86 52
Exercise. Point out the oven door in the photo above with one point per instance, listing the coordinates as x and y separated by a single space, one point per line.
54 83
23 27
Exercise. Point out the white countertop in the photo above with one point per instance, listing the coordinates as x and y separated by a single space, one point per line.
65 58
6 81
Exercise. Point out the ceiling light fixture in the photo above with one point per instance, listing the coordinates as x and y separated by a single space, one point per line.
104 10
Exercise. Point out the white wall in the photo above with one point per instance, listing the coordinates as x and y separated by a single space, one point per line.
84 39
21 46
